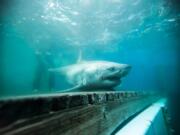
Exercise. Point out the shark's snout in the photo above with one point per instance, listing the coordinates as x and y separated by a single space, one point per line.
126 69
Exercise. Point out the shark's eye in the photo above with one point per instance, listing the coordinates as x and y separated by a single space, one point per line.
111 68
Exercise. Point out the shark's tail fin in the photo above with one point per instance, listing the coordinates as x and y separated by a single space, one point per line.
53 70
60 71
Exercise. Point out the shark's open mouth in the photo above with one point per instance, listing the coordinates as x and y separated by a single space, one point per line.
112 78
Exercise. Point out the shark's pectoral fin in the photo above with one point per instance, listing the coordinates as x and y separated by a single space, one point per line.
73 89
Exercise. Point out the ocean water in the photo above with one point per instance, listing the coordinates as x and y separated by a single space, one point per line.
39 35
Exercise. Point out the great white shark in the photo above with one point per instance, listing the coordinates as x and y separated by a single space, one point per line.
93 75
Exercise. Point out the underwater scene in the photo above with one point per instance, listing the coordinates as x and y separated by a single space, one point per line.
54 46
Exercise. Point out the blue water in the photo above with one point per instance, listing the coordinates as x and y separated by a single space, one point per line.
38 35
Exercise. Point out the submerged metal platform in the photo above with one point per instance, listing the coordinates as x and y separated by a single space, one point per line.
78 113
152 121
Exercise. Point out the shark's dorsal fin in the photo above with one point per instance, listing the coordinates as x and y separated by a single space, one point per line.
79 60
